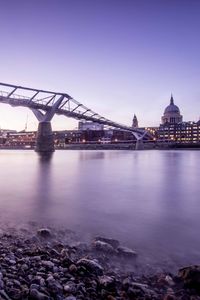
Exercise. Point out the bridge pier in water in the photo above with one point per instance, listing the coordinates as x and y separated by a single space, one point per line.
44 138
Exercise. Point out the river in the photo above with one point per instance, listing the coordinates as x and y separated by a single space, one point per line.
149 200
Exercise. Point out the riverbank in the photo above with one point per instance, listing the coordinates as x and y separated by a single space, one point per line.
114 146
46 264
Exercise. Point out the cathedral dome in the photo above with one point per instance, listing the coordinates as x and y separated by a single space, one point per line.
172 108
172 113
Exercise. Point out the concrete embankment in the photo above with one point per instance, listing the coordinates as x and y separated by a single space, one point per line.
99 147
116 146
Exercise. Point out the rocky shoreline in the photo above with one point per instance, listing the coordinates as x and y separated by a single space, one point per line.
47 264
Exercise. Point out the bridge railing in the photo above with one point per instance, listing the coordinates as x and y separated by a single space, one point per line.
44 100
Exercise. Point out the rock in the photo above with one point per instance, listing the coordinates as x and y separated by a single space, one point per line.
12 261
107 282
34 286
54 286
1 284
126 252
15 294
169 297
73 268
36 295
80 246
70 298
169 280
114 243
44 232
91 266
102 246
140 290
70 287
110 297
190 276
4 295
48 264
66 262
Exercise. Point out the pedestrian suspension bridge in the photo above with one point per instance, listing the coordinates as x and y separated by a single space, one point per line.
45 104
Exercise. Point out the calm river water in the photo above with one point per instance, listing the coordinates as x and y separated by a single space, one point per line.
149 200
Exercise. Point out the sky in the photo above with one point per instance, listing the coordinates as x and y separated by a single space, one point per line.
118 57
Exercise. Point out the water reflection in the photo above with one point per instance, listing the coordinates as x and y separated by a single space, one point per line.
43 186
88 155
149 200
45 157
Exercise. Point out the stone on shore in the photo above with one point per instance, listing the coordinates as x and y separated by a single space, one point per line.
44 233
114 243
191 276
103 246
36 295
91 266
47 269
126 252
107 282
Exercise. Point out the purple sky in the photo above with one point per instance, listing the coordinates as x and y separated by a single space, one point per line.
118 57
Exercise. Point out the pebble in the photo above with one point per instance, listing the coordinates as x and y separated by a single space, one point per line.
36 295
70 298
91 265
44 232
106 281
51 269
126 252
73 268
114 243
103 246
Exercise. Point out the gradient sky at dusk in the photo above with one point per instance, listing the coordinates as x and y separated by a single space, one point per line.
118 57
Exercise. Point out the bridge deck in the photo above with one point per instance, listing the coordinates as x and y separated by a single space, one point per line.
44 100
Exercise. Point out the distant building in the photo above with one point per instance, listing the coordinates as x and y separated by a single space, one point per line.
135 122
174 129
185 132
86 125
19 139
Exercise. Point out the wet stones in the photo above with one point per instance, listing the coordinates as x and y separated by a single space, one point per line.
54 286
70 298
36 295
190 276
103 246
1 284
73 268
70 287
55 269
91 266
114 243
107 282
44 233
48 264
126 252
112 246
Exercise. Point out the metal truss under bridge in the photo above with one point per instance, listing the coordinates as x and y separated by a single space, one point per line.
45 104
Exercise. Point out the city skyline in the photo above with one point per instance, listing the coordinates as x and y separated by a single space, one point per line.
119 58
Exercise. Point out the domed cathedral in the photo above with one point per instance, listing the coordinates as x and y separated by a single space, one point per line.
172 114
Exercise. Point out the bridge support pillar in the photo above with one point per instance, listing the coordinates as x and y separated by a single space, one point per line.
139 145
44 138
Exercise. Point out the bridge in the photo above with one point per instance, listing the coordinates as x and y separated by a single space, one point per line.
45 104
